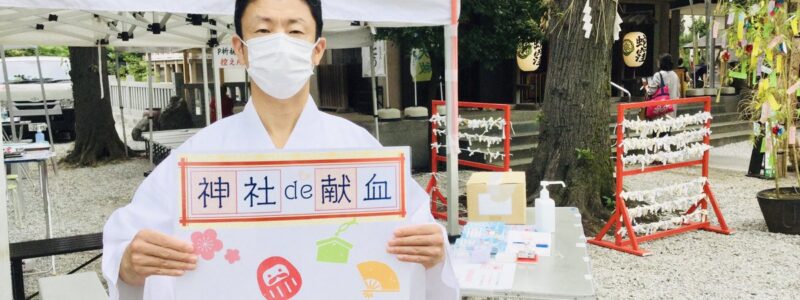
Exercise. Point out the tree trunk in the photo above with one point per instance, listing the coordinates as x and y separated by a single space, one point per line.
96 137
574 144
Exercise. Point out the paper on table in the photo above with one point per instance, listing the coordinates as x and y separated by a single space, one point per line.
489 276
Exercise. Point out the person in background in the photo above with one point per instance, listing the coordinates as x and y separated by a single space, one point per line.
683 76
666 75
700 73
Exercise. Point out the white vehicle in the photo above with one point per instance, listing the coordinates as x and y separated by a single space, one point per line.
26 93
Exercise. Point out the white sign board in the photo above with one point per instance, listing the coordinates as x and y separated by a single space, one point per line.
305 225
378 58
225 57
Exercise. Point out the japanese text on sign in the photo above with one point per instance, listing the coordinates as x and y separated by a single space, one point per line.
270 187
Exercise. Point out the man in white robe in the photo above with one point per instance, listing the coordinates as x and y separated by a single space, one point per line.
142 258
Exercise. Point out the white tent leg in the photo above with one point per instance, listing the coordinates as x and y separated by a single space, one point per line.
374 93
206 92
9 102
150 110
5 259
100 72
47 119
217 87
121 106
451 94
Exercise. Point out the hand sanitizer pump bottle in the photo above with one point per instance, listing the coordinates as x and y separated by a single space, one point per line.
545 208
39 137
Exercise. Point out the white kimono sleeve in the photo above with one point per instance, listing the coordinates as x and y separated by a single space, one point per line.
150 208
440 280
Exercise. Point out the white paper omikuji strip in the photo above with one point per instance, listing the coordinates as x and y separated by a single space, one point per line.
672 191
488 155
646 127
472 138
669 206
680 141
484 123
693 151
675 222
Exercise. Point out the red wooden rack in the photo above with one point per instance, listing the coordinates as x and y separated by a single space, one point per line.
620 219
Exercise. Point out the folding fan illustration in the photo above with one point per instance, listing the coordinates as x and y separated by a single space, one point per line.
378 278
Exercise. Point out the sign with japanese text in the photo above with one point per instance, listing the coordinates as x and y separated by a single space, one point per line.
377 59
225 57
302 225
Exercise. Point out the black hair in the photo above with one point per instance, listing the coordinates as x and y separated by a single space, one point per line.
313 5
665 62
680 61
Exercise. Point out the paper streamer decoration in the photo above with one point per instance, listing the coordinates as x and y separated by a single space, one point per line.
737 75
676 190
775 41
793 88
617 26
792 135
715 30
634 49
647 127
587 19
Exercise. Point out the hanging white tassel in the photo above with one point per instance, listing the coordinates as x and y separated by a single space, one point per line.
587 20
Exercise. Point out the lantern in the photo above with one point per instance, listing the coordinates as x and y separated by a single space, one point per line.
634 49
529 58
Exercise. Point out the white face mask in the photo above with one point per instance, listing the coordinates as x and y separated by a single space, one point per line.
280 65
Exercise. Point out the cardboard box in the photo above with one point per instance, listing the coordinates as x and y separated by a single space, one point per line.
496 197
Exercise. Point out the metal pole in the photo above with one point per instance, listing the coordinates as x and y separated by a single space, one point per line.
710 65
9 102
150 103
44 99
217 87
372 63
100 71
121 107
46 197
451 95
206 92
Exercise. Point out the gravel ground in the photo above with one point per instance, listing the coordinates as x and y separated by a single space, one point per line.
751 263
82 199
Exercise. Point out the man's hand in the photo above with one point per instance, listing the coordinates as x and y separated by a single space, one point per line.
154 253
423 244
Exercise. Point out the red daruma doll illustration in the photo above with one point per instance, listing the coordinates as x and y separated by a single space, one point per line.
278 279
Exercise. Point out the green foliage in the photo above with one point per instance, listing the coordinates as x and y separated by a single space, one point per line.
131 64
43 51
585 154
609 202
489 31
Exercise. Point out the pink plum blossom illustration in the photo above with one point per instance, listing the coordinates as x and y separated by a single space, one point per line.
232 255
206 243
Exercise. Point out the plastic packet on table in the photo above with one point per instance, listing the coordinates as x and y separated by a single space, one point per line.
479 236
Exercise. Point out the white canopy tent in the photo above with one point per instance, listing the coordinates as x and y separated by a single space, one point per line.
193 24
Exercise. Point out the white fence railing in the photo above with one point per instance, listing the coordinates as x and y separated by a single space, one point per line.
134 94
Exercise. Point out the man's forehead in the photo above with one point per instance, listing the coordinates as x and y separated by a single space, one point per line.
293 11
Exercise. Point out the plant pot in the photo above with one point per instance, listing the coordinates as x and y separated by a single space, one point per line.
781 215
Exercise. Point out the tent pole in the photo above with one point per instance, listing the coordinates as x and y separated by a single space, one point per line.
100 72
9 102
372 63
710 65
217 86
150 110
451 95
44 98
206 91
121 107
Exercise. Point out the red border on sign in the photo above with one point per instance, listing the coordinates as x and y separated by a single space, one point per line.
184 165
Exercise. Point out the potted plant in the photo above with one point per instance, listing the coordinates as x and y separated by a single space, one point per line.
762 37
